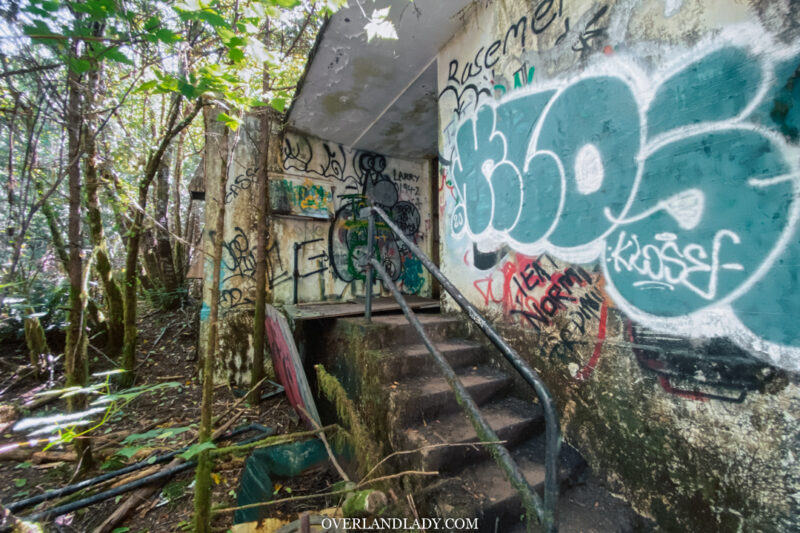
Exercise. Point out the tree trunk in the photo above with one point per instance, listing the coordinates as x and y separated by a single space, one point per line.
131 301
257 373
76 365
55 234
202 492
36 341
113 296
151 281
170 298
179 251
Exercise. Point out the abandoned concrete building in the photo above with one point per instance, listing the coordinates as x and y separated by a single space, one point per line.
590 176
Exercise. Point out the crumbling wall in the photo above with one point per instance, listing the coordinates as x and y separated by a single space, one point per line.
620 190
316 190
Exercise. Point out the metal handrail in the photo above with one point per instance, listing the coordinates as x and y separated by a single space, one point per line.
547 511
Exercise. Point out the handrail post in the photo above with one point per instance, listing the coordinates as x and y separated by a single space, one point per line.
368 266
296 272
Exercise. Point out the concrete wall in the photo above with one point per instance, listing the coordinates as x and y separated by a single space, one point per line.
619 191
315 190
316 194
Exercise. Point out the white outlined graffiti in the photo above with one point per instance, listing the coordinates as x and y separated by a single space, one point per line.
678 182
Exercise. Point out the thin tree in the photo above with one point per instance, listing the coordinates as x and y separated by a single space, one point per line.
216 165
258 373
115 328
76 365
154 161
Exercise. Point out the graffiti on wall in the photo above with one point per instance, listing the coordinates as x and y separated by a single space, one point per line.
237 271
277 272
710 369
240 183
365 177
691 209
469 81
287 197
540 294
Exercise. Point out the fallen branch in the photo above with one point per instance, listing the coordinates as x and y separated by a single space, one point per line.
153 347
273 440
16 379
323 494
19 454
144 493
426 447
40 402
134 476
52 457
321 436
139 496
237 403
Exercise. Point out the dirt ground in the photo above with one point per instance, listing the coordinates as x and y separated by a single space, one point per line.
166 355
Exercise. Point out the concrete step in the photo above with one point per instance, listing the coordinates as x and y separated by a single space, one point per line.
415 359
590 508
398 331
512 419
424 399
482 490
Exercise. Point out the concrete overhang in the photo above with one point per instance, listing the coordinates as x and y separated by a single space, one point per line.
379 95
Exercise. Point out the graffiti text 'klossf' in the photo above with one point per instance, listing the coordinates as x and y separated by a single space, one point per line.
691 208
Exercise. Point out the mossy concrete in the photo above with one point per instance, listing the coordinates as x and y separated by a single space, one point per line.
689 465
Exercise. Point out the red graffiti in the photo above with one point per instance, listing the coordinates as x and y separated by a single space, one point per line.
537 295
584 373
488 295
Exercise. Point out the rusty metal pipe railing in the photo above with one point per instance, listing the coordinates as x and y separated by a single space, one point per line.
368 267
546 512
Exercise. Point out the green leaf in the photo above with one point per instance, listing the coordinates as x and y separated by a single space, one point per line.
79 65
24 464
129 451
124 529
152 23
38 28
194 449
213 18
189 5
278 104
20 482
236 54
50 6
286 3
225 34
158 433
36 11
167 36
187 90
112 463
114 54
232 122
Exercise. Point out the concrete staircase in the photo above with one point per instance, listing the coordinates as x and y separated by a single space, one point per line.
470 484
